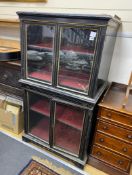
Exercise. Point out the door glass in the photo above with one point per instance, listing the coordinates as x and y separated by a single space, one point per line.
68 127
40 51
39 116
76 54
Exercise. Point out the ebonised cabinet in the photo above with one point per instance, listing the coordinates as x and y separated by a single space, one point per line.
65 64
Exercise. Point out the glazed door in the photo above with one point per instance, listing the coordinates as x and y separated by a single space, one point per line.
68 127
76 56
40 52
39 116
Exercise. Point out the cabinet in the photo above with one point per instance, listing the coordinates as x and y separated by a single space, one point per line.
9 76
65 64
112 145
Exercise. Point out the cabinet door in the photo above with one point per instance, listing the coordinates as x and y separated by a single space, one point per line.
39 116
40 52
76 56
68 127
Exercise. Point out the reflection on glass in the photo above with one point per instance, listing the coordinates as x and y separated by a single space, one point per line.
76 58
68 127
39 116
40 43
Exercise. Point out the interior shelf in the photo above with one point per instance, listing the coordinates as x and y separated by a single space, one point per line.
67 138
42 75
77 49
75 83
70 117
41 129
49 47
41 46
42 107
67 81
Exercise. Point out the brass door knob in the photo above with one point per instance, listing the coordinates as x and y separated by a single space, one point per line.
105 127
129 136
124 149
109 114
101 140
120 162
99 153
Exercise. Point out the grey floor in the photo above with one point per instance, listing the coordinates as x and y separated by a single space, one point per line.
14 155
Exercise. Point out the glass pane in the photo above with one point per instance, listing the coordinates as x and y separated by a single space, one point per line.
39 116
76 58
40 53
68 127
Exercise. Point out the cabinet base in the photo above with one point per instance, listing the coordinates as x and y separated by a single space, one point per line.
105 167
75 160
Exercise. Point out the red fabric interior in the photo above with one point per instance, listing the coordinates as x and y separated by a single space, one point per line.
42 106
69 116
67 138
70 80
65 114
48 45
41 75
41 129
75 74
75 83
68 126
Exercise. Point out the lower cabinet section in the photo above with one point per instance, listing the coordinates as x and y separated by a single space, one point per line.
60 124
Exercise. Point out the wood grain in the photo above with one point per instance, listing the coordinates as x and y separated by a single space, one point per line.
10 43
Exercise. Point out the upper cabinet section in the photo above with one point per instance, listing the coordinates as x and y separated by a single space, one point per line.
67 53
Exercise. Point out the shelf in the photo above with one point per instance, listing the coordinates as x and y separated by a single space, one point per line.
70 117
41 75
74 83
76 49
49 47
42 46
41 130
67 138
77 74
42 107
67 81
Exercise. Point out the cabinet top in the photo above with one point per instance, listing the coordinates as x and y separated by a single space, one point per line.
68 15
114 98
